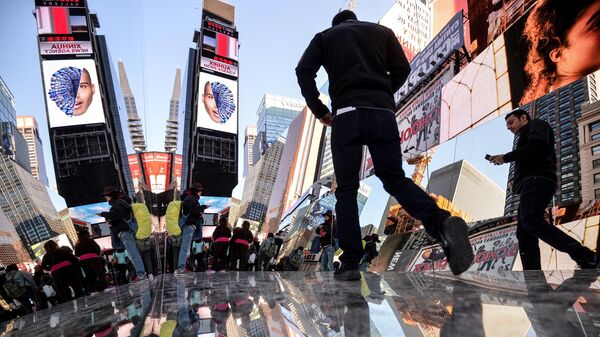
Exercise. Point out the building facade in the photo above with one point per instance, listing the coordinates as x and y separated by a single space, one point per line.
172 130
11 248
411 22
13 144
28 127
589 152
134 122
249 138
275 113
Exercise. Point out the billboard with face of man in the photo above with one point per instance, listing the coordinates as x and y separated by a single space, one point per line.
72 93
218 106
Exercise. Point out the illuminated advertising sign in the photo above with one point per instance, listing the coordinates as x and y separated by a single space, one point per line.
88 213
215 204
218 107
442 11
63 31
157 170
393 20
495 250
177 170
450 38
419 121
134 167
61 240
72 93
488 19
219 48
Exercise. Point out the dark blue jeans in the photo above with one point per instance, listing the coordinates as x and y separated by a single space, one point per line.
536 194
377 129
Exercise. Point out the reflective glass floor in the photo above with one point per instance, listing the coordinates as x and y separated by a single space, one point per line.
557 303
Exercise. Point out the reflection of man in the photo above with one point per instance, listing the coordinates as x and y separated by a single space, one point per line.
210 104
85 93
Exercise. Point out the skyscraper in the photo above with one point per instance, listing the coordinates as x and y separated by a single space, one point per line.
172 130
28 127
259 183
12 144
249 139
275 113
134 122
589 152
11 248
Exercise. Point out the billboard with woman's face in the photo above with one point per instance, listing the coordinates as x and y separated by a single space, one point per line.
72 93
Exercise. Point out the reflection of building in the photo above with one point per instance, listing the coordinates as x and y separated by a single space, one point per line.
172 130
275 114
258 186
89 150
136 130
249 139
27 204
561 109
468 189
11 248
12 143
210 148
589 151
299 167
234 210
28 127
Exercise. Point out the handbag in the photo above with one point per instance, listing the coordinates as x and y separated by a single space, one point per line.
49 290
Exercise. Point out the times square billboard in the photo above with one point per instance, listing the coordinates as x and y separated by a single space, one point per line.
220 48
63 29
218 106
520 65
72 92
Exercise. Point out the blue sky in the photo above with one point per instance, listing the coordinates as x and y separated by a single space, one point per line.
153 39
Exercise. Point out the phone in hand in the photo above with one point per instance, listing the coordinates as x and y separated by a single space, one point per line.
488 157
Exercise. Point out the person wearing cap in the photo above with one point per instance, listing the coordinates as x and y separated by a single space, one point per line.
370 251
118 218
191 211
366 66
536 182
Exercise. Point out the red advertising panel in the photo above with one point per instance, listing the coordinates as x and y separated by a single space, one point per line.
157 170
63 29
219 48
134 167
177 170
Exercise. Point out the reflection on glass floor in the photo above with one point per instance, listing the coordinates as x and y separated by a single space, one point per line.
558 303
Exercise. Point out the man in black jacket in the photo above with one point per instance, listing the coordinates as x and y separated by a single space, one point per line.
191 221
535 179
366 65
118 218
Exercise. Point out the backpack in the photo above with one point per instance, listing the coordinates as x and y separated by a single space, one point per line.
296 260
13 288
172 218
142 219
271 249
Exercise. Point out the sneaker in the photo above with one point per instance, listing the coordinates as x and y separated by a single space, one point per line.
150 277
455 242
346 274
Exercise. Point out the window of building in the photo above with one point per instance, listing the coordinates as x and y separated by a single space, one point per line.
595 126
596 136
567 186
597 193
596 163
596 150
596 178
566 175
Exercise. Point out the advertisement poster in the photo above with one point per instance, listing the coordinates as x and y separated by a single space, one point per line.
72 93
494 251
220 48
419 122
217 109
65 47
134 167
157 170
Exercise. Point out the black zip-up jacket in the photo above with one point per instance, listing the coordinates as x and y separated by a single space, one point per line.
119 214
534 154
325 232
191 208
221 232
365 64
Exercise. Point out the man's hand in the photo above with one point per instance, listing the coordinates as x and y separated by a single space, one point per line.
327 119
497 159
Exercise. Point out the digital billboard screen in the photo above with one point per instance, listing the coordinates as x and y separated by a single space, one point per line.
215 204
220 48
134 167
88 213
63 31
218 108
157 170
72 93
